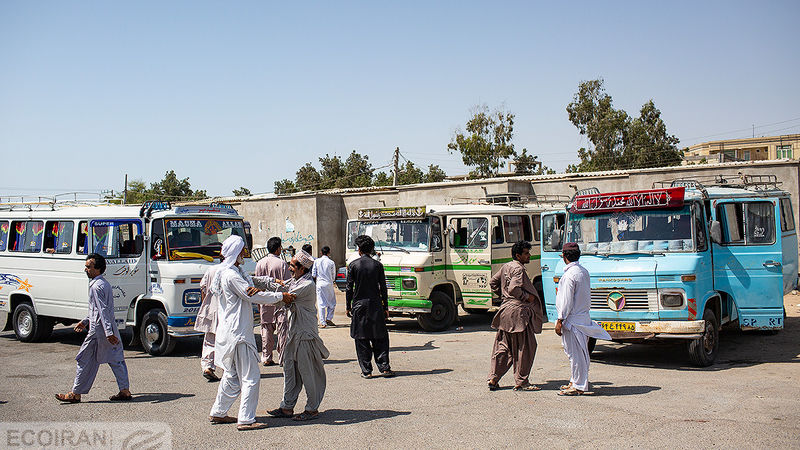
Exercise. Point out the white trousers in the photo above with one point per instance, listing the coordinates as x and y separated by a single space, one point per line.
207 359
243 378
326 301
576 347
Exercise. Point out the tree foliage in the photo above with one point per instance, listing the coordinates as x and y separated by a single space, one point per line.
486 143
409 173
617 140
241 192
525 164
169 188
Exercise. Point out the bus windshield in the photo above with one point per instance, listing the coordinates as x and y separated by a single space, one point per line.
195 238
647 231
410 235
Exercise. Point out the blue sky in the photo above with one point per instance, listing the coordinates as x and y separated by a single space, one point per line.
243 93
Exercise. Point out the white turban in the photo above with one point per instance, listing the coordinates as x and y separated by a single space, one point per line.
231 248
305 259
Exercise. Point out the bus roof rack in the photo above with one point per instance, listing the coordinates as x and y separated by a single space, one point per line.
739 181
511 199
39 202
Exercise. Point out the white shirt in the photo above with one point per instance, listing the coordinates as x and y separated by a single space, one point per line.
235 315
324 270
574 301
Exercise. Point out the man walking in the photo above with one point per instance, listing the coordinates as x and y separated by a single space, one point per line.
574 325
368 306
271 316
302 364
517 321
207 322
324 274
102 344
235 350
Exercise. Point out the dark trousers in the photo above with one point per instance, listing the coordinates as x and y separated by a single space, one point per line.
366 348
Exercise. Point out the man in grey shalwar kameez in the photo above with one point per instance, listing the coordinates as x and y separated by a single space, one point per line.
102 344
304 351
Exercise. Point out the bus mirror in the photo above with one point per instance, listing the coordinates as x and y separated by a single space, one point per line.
138 244
555 240
716 232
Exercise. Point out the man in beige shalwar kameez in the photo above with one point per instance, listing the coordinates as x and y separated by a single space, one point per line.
517 321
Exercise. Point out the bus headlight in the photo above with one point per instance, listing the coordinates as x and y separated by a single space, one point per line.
671 300
410 284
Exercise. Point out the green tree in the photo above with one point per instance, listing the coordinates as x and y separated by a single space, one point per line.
358 171
435 174
525 164
307 178
172 188
382 179
284 186
137 192
617 140
332 173
241 192
486 144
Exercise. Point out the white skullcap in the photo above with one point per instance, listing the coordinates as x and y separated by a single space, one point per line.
304 259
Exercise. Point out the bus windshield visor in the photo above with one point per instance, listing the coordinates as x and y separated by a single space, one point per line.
648 231
409 235
198 238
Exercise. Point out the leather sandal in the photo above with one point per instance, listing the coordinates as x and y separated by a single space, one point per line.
527 387
68 398
217 420
570 392
306 415
278 412
120 397
251 426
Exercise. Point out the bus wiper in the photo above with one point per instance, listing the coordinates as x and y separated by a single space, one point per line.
394 246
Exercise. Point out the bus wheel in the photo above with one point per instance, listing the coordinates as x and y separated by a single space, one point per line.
442 315
703 351
153 333
592 343
30 327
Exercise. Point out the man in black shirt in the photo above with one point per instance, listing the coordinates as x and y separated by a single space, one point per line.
368 306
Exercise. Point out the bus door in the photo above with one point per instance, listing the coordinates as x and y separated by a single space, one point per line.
748 262
469 258
551 237
438 256
121 242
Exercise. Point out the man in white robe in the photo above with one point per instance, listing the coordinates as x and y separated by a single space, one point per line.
207 322
235 347
574 325
303 365
324 274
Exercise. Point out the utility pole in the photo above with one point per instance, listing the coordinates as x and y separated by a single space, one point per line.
125 191
396 165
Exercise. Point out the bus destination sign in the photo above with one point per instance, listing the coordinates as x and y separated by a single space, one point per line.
399 212
626 201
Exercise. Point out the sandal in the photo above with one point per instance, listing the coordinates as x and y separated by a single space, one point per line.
493 386
217 420
565 387
278 412
251 426
120 397
388 373
527 387
570 392
210 375
305 415
68 398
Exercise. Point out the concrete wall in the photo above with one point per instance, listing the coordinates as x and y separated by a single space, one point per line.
319 219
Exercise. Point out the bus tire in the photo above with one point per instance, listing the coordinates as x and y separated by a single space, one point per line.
29 326
153 333
703 351
442 315
591 344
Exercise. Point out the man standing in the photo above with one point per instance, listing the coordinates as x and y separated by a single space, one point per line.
235 350
574 325
368 305
517 321
272 266
207 322
304 351
324 274
102 343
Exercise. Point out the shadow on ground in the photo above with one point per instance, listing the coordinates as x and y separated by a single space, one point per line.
338 417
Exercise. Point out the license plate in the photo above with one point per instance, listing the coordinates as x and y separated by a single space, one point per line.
618 326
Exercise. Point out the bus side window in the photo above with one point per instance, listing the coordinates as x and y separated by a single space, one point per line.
83 237
58 237
26 236
517 228
157 250
537 225
3 235
699 226
436 234
787 215
731 217
760 223
497 230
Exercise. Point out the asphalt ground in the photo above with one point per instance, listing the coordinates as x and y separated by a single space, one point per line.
645 395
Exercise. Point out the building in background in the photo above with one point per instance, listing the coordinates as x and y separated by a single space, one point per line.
749 149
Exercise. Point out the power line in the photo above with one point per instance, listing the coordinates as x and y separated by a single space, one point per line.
744 129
